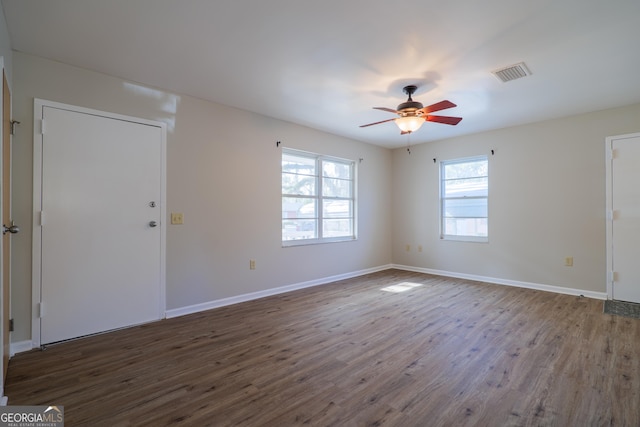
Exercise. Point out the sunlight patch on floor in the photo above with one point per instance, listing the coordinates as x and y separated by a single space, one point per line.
401 287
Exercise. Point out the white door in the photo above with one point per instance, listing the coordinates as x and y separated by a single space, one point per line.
101 252
6 221
624 243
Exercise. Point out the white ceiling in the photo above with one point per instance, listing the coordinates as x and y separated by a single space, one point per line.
325 64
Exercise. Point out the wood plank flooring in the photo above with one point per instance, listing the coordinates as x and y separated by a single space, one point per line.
446 352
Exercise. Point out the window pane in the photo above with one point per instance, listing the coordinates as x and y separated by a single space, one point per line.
465 208
476 227
337 227
471 187
466 169
298 164
464 197
315 189
336 169
297 207
336 209
303 185
336 187
299 229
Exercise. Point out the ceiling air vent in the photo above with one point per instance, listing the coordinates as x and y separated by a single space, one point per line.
512 72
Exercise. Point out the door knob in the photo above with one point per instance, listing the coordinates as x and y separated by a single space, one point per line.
152 224
13 229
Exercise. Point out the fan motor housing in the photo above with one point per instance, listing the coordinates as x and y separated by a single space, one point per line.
409 107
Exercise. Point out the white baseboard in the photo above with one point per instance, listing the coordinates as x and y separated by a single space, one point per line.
20 347
176 312
516 283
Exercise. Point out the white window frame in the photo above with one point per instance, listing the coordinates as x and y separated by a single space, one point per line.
443 199
320 198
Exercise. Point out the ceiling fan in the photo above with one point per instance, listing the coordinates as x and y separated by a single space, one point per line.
412 114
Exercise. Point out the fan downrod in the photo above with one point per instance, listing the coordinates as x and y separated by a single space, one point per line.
410 90
410 106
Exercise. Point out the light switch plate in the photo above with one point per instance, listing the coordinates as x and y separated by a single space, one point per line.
177 218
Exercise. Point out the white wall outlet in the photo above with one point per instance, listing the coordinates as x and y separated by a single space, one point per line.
252 264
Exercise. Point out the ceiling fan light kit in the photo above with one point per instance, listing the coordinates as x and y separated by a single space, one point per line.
408 124
412 114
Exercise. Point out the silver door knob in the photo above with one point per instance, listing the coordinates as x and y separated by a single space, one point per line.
152 224
13 229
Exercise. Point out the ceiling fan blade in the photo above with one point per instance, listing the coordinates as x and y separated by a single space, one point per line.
442 105
444 119
377 123
391 110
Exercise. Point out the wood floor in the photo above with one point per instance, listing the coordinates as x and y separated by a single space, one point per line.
445 352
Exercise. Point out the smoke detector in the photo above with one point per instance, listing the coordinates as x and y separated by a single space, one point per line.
512 72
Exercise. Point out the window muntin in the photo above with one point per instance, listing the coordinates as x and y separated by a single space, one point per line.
464 193
318 198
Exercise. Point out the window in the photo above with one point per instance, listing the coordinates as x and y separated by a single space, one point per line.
464 191
318 198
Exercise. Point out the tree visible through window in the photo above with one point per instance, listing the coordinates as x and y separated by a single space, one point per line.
464 192
318 198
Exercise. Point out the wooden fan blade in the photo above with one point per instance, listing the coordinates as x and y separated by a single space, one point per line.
391 110
377 123
442 105
444 119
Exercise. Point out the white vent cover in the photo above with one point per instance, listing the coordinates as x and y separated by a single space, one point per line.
512 72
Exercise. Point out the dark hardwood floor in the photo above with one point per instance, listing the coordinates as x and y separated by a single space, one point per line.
446 352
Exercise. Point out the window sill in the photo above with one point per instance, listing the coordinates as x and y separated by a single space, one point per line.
473 239
308 242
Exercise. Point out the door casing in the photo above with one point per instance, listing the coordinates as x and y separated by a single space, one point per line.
6 220
5 272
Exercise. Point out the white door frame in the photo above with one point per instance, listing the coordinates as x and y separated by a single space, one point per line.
610 215
3 399
38 106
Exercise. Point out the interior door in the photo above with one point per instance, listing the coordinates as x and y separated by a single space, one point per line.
6 214
625 201
100 224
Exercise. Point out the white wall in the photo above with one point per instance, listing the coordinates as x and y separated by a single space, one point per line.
546 202
223 173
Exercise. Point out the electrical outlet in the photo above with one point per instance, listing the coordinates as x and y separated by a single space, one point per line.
568 261
177 218
407 248
252 264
